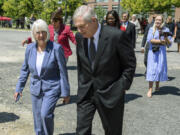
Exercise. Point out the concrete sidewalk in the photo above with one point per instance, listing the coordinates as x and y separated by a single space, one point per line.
159 115
173 57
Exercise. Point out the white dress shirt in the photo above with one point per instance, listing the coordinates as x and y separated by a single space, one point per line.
125 24
96 39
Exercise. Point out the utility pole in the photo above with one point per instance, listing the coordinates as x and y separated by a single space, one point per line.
118 6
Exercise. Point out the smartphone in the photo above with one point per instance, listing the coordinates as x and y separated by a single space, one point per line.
18 97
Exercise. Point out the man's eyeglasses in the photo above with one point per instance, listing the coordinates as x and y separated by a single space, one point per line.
82 27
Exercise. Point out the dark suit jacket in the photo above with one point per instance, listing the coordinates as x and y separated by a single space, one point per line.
114 67
131 33
145 34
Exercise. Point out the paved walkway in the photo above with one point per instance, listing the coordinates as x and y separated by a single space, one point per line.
159 115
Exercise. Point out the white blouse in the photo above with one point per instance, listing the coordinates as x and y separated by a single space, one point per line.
39 61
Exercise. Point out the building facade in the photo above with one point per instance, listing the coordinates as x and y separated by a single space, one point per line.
113 5
106 4
177 14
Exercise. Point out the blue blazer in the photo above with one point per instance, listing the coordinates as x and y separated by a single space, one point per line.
53 77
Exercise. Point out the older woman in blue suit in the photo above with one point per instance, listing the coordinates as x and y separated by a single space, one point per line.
46 62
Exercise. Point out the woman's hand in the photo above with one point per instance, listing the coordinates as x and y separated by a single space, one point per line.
163 42
66 100
24 42
16 95
167 41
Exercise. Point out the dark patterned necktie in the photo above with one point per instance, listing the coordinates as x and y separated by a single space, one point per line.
92 49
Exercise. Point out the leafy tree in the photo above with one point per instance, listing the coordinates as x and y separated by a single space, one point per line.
49 6
38 8
11 8
100 13
176 3
41 9
144 6
1 10
25 8
68 7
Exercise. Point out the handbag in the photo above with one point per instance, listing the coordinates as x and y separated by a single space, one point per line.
155 48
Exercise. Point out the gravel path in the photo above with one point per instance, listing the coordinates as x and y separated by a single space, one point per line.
143 116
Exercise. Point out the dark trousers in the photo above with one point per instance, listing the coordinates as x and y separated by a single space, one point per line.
112 119
146 54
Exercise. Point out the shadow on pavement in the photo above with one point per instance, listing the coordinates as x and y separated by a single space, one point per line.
171 78
73 99
168 90
137 51
130 97
68 134
172 51
71 68
138 75
7 117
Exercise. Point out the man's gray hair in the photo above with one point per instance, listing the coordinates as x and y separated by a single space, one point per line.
84 11
40 25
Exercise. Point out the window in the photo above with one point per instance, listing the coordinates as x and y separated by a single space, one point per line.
101 0
101 12
103 8
116 0
115 7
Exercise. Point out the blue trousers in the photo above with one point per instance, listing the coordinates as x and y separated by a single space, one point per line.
43 112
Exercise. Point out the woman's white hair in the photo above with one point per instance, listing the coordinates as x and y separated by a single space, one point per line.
84 11
40 25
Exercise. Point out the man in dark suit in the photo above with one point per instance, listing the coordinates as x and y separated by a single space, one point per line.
106 65
129 28
144 43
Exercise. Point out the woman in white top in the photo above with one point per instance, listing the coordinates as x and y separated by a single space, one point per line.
45 61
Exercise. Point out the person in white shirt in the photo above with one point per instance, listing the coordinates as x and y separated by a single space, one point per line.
135 21
45 61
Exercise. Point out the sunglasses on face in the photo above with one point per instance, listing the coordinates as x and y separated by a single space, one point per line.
55 20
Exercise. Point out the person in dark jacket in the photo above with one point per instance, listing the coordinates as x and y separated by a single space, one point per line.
144 43
169 24
129 29
106 65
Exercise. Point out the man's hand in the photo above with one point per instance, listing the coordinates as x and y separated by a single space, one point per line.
142 50
66 100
